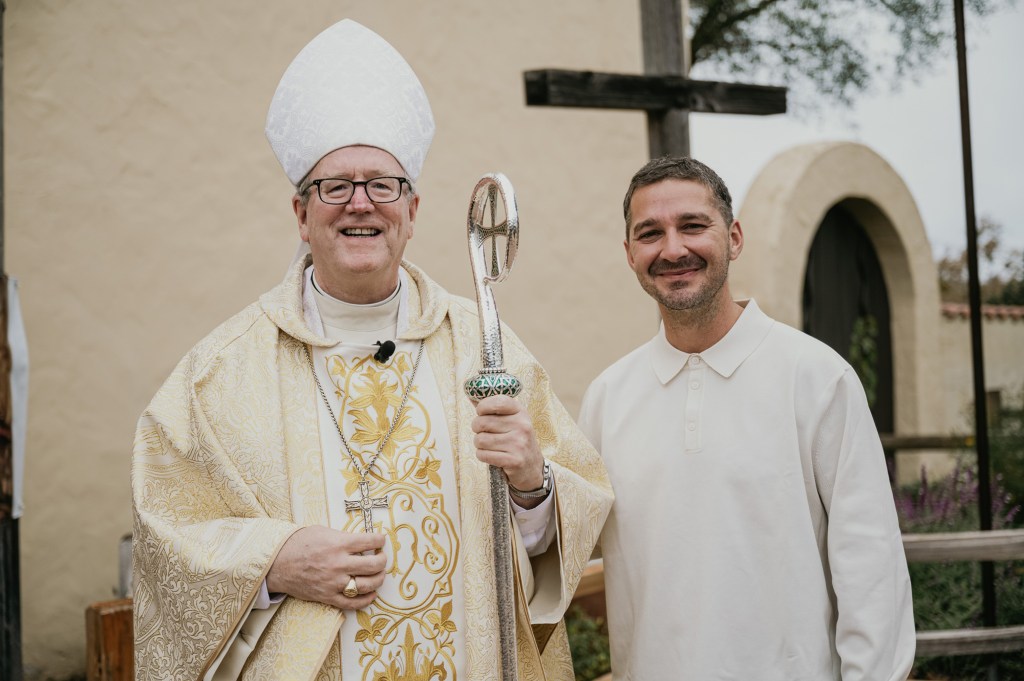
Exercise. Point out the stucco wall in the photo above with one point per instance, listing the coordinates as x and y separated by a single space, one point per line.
1003 344
144 206
1002 340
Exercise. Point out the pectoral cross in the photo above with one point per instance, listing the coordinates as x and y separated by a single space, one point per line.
366 504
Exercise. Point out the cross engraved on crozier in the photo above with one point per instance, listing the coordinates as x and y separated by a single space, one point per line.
365 504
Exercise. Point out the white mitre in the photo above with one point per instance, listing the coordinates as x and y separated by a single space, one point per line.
349 86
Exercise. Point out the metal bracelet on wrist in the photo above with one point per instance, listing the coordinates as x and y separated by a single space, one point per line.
540 492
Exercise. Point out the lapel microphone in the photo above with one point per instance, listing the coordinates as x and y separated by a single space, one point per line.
387 348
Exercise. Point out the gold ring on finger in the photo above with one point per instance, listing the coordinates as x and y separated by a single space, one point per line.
350 590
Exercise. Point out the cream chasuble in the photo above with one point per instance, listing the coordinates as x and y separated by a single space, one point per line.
415 629
228 463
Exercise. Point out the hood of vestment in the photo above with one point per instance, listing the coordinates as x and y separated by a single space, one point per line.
427 305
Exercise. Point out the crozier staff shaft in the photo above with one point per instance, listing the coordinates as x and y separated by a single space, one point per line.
492 379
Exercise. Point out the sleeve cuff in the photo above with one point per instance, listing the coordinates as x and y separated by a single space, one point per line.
533 523
264 599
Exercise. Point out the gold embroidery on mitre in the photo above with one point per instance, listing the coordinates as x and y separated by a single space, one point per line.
408 633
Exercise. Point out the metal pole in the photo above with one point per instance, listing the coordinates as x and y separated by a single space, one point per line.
988 590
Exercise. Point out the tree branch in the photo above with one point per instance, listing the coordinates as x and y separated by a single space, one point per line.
709 27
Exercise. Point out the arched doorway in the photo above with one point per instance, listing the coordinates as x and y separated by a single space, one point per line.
782 214
846 305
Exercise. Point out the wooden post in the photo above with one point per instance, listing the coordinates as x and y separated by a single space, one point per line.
109 641
662 28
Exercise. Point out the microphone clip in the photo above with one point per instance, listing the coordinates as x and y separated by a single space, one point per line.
386 349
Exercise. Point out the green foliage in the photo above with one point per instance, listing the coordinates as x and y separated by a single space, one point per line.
1012 290
864 354
588 642
948 595
1001 274
820 47
1006 449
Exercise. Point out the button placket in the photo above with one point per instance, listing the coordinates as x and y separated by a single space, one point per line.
695 369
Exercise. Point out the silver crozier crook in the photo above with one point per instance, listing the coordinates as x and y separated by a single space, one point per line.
492 379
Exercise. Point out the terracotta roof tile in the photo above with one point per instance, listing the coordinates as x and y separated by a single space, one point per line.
963 311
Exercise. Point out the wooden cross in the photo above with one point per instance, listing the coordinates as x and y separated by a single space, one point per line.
664 92
365 504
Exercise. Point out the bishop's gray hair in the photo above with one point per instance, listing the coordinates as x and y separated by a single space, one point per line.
679 168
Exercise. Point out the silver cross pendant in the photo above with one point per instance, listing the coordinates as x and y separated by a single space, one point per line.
365 504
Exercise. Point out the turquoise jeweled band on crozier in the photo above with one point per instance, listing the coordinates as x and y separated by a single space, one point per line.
487 384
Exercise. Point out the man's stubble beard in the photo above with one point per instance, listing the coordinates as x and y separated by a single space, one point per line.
696 305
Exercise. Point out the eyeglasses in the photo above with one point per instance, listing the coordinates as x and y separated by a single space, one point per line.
338 192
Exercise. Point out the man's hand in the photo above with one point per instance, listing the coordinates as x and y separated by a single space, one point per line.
505 438
316 563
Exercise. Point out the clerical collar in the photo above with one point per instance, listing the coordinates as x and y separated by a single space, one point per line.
363 324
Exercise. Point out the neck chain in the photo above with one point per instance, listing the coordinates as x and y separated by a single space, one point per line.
365 504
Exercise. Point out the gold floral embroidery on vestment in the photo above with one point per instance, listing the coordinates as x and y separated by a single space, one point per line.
408 633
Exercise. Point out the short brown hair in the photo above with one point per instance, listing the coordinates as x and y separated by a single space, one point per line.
679 168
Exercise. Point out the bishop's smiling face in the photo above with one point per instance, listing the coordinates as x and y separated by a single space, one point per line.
357 247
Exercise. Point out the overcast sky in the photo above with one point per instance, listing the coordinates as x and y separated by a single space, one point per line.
917 130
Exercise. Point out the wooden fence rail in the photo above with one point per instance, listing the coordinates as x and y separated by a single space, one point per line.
994 545
912 442
928 548
943 547
109 630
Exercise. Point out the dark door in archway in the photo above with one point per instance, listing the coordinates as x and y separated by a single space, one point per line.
846 305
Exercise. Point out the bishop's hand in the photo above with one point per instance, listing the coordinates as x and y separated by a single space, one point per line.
316 564
505 438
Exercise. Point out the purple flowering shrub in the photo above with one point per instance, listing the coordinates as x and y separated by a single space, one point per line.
950 504
948 595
